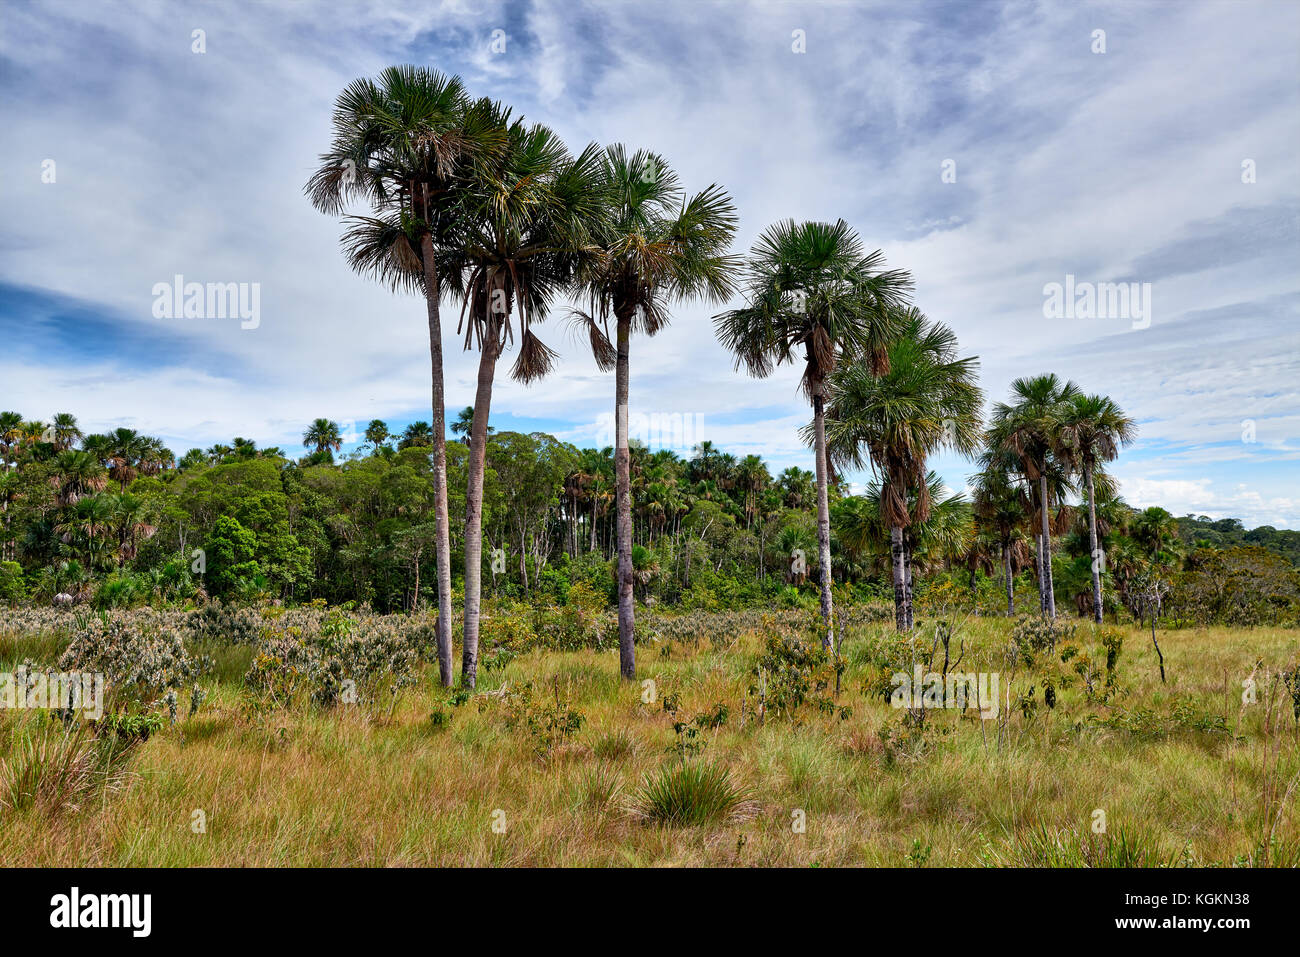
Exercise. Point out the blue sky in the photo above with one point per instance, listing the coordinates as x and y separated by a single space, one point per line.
1125 165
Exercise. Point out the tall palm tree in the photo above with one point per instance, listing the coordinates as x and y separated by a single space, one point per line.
1027 427
323 434
1092 429
813 294
927 400
402 143
524 228
1157 529
655 246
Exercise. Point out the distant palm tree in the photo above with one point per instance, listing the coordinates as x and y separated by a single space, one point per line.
1001 507
377 434
65 431
417 435
1027 427
75 474
1157 529
927 400
1091 431
323 434
814 296
654 246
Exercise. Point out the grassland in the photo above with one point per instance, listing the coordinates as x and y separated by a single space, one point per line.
1186 773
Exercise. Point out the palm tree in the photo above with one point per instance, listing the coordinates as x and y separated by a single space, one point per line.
10 434
75 474
377 435
811 288
417 435
927 400
402 144
65 430
524 228
1027 427
1156 529
655 247
1092 429
1001 508
322 435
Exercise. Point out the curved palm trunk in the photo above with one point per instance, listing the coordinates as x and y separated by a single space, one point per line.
442 524
823 517
623 507
1092 548
487 364
1049 596
899 560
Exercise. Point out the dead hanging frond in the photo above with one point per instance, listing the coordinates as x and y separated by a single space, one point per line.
405 255
535 361
597 335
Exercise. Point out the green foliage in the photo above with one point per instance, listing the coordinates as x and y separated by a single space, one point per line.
547 719
13 587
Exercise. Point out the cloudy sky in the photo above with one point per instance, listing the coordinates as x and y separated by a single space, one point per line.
1169 159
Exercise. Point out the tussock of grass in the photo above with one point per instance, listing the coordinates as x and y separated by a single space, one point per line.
691 794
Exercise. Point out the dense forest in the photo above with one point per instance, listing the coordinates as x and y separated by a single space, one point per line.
117 520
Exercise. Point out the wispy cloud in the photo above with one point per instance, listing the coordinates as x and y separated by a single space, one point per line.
1126 165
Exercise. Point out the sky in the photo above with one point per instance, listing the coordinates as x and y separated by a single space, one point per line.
991 149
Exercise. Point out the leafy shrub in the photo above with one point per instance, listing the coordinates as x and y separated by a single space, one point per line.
13 587
548 722
145 665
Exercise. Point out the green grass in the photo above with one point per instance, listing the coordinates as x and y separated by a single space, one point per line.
344 787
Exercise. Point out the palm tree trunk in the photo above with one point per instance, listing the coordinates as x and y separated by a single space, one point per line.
1092 547
442 524
823 517
623 506
907 587
1006 566
1049 596
487 364
900 588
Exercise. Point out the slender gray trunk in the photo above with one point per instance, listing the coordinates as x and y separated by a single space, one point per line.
900 587
907 586
487 362
1006 568
1092 547
823 518
623 506
442 525
1049 592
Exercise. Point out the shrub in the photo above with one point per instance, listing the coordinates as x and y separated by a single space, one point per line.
13 587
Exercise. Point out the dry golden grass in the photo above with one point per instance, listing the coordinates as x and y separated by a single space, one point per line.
340 788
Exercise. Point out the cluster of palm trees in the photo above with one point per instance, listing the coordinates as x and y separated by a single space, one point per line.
96 526
1048 442
468 201
463 200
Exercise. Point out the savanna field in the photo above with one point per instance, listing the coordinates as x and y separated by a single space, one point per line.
748 746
